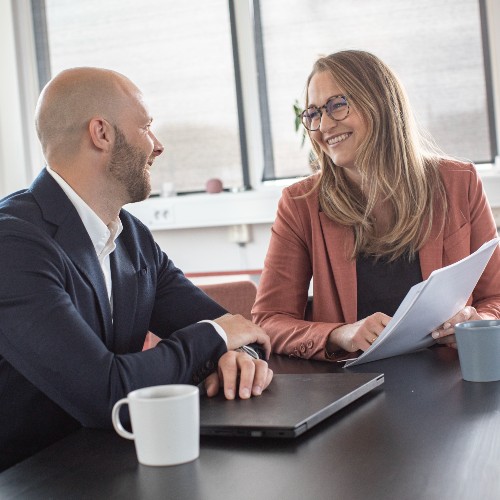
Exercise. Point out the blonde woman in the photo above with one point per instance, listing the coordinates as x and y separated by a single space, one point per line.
381 214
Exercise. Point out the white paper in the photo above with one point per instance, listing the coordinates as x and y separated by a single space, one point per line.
428 305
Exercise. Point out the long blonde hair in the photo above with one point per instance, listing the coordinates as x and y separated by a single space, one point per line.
397 165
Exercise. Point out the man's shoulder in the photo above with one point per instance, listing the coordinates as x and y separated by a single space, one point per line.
132 224
20 209
136 234
16 200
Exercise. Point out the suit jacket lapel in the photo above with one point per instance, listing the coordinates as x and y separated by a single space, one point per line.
81 251
71 235
125 289
339 241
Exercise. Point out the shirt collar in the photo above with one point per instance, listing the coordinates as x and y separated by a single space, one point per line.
99 233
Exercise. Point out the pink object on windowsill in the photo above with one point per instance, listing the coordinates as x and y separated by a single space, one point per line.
213 186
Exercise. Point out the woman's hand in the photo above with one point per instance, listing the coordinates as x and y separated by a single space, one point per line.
445 334
359 335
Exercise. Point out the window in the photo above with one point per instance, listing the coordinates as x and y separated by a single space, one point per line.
180 55
436 48
184 56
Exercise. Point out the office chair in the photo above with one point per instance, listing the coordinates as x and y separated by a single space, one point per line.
237 297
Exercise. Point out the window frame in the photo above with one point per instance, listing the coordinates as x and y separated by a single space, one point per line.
269 174
25 76
43 66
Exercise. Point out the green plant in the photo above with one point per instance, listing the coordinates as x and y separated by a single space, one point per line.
313 163
298 120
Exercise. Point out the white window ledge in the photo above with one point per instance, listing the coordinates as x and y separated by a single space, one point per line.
247 207
491 183
208 210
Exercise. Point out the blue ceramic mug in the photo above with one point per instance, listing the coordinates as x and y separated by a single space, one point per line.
478 345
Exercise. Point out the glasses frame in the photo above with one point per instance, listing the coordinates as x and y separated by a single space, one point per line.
324 107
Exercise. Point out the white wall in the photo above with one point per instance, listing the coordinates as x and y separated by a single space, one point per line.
205 249
12 157
208 249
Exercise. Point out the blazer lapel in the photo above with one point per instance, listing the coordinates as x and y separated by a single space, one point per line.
125 289
71 235
431 254
81 251
339 241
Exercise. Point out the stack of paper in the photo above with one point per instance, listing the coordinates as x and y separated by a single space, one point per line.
428 305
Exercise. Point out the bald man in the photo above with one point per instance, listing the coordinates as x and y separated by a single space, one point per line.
82 281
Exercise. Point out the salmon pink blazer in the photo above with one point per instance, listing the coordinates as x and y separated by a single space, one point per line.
306 244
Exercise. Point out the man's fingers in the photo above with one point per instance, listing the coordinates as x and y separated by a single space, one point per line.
228 373
262 378
239 373
246 368
265 343
212 384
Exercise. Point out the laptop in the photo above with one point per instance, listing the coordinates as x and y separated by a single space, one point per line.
291 405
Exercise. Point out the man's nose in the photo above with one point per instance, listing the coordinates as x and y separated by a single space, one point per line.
158 146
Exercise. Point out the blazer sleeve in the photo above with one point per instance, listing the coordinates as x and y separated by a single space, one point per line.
486 294
282 297
47 337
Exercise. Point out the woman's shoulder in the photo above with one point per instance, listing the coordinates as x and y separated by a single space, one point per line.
448 167
304 187
459 178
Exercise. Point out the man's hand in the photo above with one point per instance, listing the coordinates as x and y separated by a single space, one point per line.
241 331
254 376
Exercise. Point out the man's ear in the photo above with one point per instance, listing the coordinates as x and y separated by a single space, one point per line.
102 134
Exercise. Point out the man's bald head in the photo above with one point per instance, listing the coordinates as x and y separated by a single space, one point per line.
70 100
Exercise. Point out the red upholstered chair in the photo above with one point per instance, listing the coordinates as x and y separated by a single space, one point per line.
237 297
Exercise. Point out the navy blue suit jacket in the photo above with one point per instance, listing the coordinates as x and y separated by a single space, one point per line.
64 361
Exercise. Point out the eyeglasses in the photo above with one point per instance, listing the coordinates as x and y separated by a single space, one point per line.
337 108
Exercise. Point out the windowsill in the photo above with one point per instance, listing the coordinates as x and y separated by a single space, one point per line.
247 207
491 184
208 210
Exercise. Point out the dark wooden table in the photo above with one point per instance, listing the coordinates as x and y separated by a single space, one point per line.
425 434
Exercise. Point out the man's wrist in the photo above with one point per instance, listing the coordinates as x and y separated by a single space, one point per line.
218 329
251 351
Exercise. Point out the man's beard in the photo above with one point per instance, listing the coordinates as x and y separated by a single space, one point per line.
128 166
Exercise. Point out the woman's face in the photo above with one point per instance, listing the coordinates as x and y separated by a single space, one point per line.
339 140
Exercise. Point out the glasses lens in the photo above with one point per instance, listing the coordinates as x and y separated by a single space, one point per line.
337 107
311 118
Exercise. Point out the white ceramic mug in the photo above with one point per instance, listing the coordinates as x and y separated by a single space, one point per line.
165 423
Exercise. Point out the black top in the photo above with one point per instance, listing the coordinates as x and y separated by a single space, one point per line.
383 285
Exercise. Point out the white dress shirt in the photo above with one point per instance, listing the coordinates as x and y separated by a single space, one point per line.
103 238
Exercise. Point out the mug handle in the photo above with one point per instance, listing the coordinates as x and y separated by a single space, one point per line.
115 418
